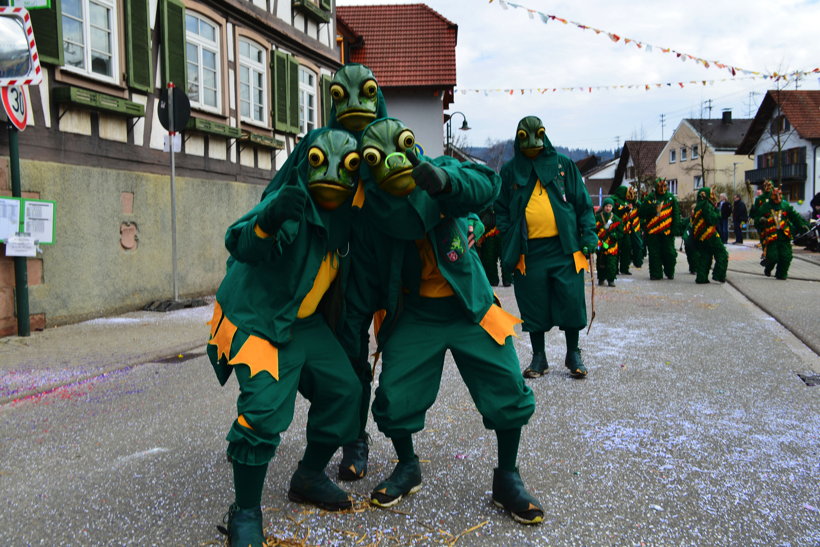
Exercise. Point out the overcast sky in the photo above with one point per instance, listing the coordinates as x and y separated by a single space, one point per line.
502 49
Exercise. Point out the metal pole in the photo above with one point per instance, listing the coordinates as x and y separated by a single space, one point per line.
172 134
449 136
20 264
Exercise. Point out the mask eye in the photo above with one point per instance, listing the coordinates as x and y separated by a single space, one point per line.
522 135
372 156
352 161
315 157
540 133
337 92
406 140
369 88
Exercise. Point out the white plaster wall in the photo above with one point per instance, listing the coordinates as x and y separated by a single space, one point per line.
114 128
195 145
75 121
217 148
422 114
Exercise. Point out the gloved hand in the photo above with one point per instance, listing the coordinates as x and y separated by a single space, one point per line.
585 250
428 177
288 205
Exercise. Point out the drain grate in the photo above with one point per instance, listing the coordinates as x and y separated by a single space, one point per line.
810 379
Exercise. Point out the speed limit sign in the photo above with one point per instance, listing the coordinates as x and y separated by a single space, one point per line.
14 101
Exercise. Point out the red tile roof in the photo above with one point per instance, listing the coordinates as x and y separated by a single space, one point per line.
405 45
801 108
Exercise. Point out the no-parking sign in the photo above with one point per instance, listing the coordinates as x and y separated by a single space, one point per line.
14 102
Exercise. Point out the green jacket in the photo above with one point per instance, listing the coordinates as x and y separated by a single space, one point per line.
386 267
649 211
569 198
267 278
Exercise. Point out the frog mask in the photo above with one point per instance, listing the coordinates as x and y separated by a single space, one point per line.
355 95
384 143
333 168
530 136
660 187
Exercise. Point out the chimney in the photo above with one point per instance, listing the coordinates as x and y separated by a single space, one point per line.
727 115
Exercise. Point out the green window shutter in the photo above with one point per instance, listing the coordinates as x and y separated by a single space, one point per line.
326 5
48 33
326 101
173 43
293 93
138 45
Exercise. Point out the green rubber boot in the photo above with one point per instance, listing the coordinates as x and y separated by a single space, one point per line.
354 460
575 364
405 479
307 486
509 493
243 527
538 367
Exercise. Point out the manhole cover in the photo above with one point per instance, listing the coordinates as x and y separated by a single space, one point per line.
810 379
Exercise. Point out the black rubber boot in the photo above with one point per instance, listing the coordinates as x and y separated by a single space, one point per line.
509 493
575 364
354 460
308 486
538 367
243 527
405 479
611 283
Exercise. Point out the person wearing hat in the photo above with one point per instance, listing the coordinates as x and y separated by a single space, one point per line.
631 244
778 224
547 225
708 244
660 214
609 229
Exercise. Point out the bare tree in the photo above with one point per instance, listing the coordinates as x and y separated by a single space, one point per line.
496 153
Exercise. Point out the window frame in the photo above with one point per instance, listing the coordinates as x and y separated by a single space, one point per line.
682 153
116 37
672 156
695 152
261 67
308 90
672 186
201 44
697 182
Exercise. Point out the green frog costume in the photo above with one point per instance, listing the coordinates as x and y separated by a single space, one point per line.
547 226
273 324
707 244
411 257
609 229
631 244
660 214
778 225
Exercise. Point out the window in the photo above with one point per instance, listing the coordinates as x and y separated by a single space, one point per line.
694 151
683 153
672 156
202 50
698 181
672 186
307 100
89 40
252 87
780 125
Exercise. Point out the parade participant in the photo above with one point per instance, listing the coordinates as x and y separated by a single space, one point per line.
272 326
779 222
708 244
761 200
631 245
609 229
547 226
489 249
411 257
661 216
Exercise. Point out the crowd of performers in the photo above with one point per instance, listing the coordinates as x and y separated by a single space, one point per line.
358 229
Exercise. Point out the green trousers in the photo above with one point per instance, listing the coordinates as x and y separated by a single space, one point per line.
413 360
636 246
551 294
312 363
662 255
625 253
704 253
606 265
490 254
779 254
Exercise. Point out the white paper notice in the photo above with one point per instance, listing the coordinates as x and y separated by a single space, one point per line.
21 245
9 217
38 220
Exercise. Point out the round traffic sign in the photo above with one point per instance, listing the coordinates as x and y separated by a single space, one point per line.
14 101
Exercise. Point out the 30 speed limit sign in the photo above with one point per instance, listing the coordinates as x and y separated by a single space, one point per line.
14 101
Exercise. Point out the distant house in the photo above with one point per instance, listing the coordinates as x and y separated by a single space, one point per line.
783 139
598 180
702 152
636 165
411 49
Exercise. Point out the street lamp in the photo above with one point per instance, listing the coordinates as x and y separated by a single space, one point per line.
449 140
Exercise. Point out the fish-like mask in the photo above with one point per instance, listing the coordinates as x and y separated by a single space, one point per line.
530 136
355 95
384 143
333 168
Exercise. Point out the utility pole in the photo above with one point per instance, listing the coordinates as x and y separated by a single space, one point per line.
751 100
663 124
709 107
618 143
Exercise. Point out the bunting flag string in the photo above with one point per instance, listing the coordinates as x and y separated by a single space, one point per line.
546 17
643 86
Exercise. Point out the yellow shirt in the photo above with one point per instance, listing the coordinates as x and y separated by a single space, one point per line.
539 214
328 271
433 284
